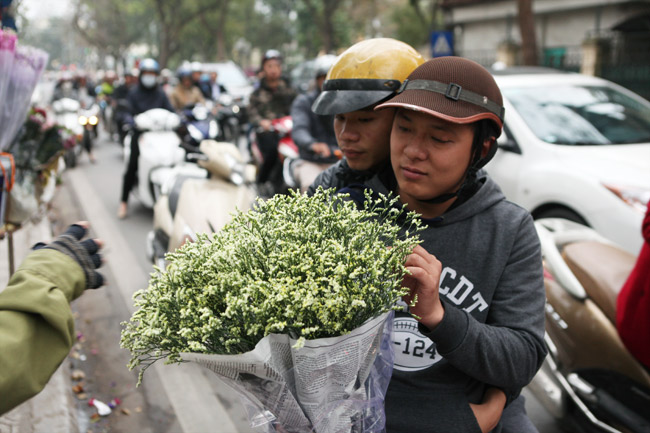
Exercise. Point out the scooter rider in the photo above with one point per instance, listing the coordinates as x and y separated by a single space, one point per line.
313 133
271 100
145 96
365 74
185 93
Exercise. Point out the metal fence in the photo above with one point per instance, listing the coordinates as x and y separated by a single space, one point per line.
625 61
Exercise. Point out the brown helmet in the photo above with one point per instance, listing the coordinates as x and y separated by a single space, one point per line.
454 89
457 90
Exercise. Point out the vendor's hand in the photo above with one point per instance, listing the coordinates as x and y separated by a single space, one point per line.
266 124
425 271
85 253
489 412
321 149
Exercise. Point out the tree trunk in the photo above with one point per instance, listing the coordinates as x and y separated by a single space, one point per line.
527 30
164 50
221 35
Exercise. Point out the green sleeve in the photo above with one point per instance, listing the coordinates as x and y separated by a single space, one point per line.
36 323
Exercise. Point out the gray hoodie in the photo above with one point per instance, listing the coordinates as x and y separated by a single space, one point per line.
492 333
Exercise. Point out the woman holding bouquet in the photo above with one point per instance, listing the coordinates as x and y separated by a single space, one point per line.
476 280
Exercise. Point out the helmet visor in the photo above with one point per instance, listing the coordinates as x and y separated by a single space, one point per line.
345 95
336 101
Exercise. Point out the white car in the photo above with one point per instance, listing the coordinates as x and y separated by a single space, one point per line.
575 147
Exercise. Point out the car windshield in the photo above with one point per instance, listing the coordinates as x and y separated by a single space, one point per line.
582 115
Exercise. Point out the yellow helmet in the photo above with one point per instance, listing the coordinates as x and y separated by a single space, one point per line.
366 73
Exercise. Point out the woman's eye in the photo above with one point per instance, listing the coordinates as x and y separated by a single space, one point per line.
366 119
403 128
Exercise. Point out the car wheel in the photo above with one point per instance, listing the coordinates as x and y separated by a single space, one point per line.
560 212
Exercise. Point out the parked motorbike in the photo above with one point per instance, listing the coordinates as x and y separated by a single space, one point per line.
67 114
203 201
160 151
287 149
198 124
589 380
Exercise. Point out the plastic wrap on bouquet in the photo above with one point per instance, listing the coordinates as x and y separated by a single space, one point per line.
330 385
28 65
7 50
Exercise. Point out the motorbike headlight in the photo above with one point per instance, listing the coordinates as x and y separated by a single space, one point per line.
235 109
214 129
636 197
93 120
195 133
83 120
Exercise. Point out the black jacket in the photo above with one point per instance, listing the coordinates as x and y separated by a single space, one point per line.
340 175
142 99
309 128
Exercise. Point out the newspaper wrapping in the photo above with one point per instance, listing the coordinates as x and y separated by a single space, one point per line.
330 385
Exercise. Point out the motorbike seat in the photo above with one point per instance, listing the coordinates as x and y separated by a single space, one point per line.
175 192
601 269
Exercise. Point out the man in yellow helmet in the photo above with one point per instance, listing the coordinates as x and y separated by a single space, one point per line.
364 75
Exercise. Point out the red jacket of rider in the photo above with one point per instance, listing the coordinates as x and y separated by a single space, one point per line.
633 303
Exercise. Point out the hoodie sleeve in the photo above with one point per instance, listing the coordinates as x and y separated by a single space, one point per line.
509 348
36 323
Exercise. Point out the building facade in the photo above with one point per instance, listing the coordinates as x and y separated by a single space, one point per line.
608 38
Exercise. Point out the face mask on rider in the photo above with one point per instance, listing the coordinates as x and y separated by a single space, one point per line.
148 80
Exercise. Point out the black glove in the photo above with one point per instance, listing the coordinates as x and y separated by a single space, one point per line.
83 252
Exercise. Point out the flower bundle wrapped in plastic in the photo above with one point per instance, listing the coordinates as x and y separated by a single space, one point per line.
7 50
288 304
20 69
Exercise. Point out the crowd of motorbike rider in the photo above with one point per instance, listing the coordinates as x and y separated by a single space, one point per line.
142 89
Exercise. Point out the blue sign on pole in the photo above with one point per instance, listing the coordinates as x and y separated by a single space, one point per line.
442 44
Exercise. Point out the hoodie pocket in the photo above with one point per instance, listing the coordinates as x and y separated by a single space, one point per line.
441 410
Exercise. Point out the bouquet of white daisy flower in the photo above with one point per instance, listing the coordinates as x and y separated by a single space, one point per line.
288 304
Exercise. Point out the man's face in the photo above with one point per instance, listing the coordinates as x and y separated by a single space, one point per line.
364 137
429 155
272 69
196 75
213 77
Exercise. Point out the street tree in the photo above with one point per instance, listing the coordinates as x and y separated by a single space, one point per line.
173 17
111 26
416 19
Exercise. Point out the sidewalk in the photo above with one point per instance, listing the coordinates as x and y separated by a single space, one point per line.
52 410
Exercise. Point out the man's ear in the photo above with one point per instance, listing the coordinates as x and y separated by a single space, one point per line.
487 145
